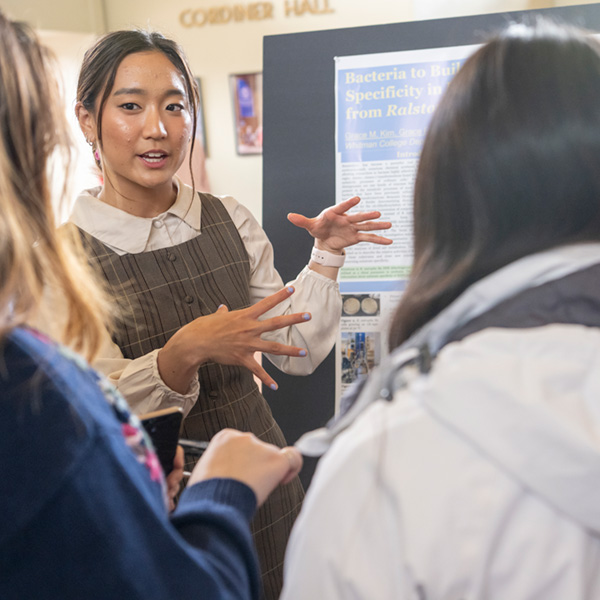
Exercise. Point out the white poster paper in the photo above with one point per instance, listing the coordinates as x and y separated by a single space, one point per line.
384 103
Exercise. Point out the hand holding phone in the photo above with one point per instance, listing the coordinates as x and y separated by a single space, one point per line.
163 428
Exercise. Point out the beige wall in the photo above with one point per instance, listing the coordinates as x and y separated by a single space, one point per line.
82 16
69 48
217 50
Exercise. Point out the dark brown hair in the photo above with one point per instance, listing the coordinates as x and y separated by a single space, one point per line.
510 165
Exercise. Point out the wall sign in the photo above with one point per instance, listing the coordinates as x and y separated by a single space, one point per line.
252 11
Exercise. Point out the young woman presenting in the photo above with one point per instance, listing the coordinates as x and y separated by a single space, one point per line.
177 261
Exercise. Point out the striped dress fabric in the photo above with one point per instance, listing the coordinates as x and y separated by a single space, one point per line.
158 292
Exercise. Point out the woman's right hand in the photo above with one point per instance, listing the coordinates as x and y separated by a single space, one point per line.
229 338
236 455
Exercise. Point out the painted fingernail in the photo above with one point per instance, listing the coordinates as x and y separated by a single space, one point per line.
273 386
302 353
220 306
290 289
306 316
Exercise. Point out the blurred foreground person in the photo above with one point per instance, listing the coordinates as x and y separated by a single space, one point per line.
473 467
82 496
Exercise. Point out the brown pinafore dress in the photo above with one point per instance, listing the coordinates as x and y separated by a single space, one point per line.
160 291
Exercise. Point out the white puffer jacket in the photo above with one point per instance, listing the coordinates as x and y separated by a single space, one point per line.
481 479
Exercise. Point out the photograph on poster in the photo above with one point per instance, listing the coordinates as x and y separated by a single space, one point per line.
360 305
246 92
360 353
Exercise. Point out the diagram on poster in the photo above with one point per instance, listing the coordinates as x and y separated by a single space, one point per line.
384 103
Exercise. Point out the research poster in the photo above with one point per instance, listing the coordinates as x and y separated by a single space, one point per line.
384 103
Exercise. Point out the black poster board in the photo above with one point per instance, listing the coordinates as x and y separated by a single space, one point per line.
299 159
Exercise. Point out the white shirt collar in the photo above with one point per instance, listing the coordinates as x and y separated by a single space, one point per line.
124 231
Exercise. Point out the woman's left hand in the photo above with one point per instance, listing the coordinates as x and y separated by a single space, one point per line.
335 230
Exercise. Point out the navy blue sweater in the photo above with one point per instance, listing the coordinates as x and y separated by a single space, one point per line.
82 517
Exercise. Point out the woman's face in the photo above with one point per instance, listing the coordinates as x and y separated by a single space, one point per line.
146 125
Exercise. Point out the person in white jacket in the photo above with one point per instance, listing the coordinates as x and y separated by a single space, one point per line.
468 466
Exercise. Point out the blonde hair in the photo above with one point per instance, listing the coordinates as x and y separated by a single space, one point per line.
33 254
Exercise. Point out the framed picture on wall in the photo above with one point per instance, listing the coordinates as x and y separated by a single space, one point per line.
246 92
200 126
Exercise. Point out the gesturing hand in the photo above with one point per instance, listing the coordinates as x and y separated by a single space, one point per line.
228 338
238 334
335 230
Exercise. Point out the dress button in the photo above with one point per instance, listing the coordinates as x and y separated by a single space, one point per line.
213 394
172 257
157 224
189 299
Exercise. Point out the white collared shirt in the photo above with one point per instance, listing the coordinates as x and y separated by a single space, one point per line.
125 233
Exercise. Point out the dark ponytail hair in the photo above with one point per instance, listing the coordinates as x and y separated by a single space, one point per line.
510 165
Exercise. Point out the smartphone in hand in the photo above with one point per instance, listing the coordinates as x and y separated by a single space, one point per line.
163 428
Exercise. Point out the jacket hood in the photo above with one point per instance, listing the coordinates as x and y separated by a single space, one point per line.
531 405
531 400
